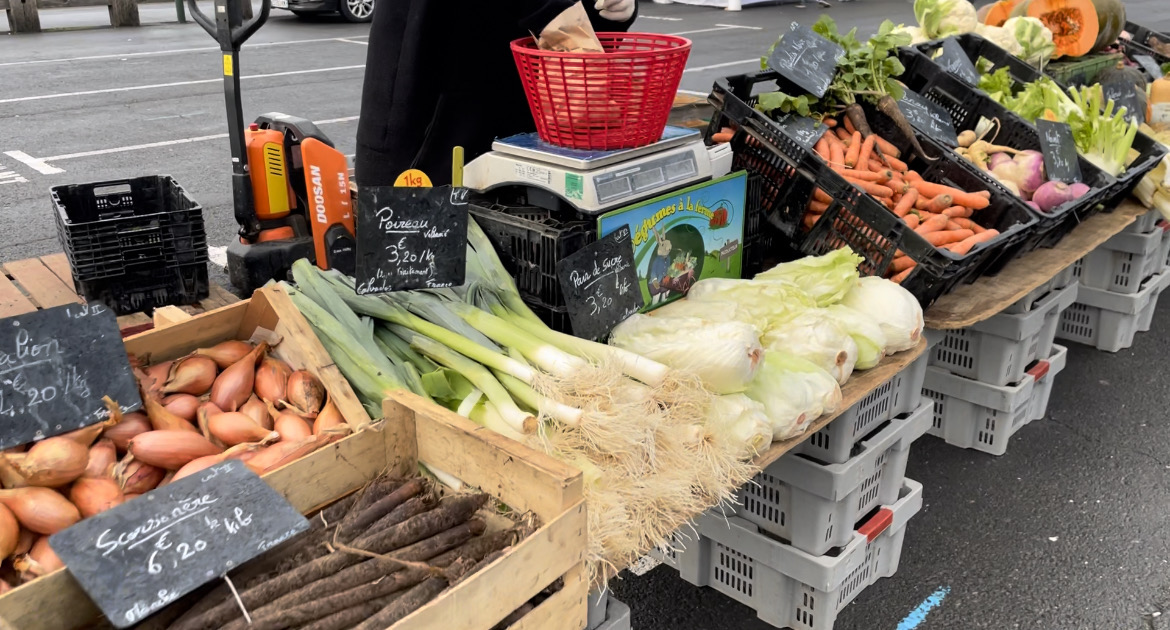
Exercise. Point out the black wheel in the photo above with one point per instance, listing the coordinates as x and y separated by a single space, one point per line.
356 10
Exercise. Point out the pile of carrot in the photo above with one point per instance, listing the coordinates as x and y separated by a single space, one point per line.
941 214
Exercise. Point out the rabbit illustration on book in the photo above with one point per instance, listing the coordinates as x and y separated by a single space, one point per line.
659 268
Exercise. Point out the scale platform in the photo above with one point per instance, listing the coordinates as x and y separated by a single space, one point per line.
594 181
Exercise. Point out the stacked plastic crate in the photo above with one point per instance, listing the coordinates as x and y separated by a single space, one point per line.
606 613
821 523
1120 284
990 379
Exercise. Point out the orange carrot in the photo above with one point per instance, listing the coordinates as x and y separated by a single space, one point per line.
901 276
974 201
863 176
810 220
877 190
866 149
822 148
968 224
911 220
951 225
958 212
898 184
854 150
830 122
964 246
821 195
933 224
722 138
906 203
848 124
901 263
936 205
817 207
836 154
888 150
844 136
911 177
946 237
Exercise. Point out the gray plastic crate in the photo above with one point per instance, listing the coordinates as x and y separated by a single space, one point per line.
1028 302
1122 263
1143 224
1042 392
1165 227
998 350
814 506
614 614
787 587
970 414
1109 321
839 440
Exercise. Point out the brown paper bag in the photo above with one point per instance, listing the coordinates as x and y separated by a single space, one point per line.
570 31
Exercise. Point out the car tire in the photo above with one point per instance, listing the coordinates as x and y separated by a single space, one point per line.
356 10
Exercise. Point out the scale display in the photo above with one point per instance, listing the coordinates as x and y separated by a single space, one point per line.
644 178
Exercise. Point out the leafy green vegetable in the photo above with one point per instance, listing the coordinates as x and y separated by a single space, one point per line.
998 84
1103 134
772 103
942 18
867 69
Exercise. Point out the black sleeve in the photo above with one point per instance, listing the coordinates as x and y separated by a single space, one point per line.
538 13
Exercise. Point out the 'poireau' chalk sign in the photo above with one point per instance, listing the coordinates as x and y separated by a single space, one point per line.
411 238
55 367
137 558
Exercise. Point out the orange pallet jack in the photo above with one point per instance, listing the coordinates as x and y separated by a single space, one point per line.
290 186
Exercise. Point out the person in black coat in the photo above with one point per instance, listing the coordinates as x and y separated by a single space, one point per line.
440 74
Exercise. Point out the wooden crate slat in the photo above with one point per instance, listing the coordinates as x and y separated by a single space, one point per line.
41 284
12 301
59 265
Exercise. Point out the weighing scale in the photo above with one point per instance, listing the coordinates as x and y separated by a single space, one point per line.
594 182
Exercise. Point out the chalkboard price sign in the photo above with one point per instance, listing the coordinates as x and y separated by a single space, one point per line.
601 285
138 557
929 118
806 59
55 367
956 62
805 131
411 238
1124 94
1149 65
1060 151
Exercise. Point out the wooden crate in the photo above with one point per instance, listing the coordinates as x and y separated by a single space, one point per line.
414 430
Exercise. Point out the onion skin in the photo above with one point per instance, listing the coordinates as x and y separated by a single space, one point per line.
156 376
94 496
234 385
135 477
233 427
39 561
191 375
9 532
161 419
170 449
26 540
272 379
132 424
40 510
85 436
226 353
9 477
306 394
182 405
203 415
329 418
258 412
102 458
292 428
52 462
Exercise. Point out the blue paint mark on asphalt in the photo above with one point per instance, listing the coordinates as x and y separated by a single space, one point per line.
918 615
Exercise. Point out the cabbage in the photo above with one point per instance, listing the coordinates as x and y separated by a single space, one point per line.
816 337
715 310
892 307
724 355
866 333
1000 37
1033 38
793 392
917 35
824 278
763 303
942 18
740 420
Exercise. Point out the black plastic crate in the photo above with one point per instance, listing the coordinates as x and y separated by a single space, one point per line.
555 317
790 173
1140 40
967 105
1150 151
110 228
148 289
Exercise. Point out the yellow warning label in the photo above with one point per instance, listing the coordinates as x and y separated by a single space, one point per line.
413 178
227 65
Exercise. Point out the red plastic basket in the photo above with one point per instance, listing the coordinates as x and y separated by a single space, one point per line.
618 99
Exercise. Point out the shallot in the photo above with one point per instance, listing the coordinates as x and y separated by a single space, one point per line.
132 424
182 405
329 418
40 510
170 449
102 458
272 379
95 495
242 452
156 375
305 393
226 353
9 532
234 385
233 427
161 419
135 477
258 412
191 375
292 428
52 462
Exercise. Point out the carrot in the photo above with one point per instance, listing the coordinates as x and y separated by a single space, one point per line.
822 148
842 135
964 246
906 203
721 138
968 224
848 124
936 205
946 237
830 122
884 174
911 220
821 195
898 184
958 212
810 220
951 225
862 176
854 150
817 207
901 276
933 224
889 151
901 263
836 154
877 190
974 201
866 149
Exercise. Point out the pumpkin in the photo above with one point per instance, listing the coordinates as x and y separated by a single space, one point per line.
1110 22
1074 23
996 13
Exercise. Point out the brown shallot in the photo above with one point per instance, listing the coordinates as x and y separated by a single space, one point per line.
170 449
283 452
191 375
155 376
182 405
52 462
242 452
132 424
135 477
329 418
258 412
41 510
292 428
233 427
40 560
95 495
305 393
272 379
161 419
234 385
9 532
102 458
226 353
26 540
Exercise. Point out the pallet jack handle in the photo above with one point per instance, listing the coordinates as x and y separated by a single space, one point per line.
231 31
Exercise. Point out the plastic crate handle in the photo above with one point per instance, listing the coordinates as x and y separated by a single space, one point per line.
1040 370
877 524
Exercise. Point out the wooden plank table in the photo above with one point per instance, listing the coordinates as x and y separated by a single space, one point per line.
857 387
987 296
39 283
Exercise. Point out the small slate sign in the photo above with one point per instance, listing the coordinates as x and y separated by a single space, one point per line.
138 557
956 62
411 238
601 285
1060 151
55 367
929 118
804 130
1151 67
1123 93
806 59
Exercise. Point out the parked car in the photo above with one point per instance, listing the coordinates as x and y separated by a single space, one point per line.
351 10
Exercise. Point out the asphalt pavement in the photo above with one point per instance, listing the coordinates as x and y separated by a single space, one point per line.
1069 530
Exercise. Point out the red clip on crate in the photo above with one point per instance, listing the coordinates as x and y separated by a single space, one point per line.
619 99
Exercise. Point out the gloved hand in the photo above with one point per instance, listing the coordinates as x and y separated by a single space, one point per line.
615 10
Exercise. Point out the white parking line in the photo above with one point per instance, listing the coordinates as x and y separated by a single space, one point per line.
659 17
11 177
171 51
742 62
753 28
33 163
132 88
352 41
705 30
